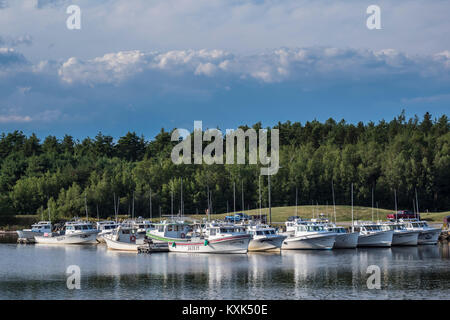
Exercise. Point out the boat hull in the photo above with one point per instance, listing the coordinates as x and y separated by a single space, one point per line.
266 244
226 245
322 242
85 238
408 238
429 236
346 240
28 234
378 239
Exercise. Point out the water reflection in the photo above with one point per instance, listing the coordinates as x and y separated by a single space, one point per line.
38 272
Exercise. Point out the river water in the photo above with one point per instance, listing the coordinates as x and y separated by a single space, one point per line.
39 272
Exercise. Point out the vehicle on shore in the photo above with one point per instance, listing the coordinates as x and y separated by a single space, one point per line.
371 235
401 236
264 238
37 229
75 232
344 239
308 235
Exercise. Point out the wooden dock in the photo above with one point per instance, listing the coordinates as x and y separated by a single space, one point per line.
153 247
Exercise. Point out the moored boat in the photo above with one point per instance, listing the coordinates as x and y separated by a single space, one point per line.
124 239
214 238
344 239
76 232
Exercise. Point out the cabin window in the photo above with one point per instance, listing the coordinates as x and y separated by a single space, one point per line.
212 232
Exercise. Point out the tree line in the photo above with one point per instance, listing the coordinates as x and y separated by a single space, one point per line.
405 155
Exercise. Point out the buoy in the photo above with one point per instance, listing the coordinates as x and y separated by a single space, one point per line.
174 245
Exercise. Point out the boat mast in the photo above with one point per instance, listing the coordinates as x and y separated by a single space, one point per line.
85 206
259 189
334 204
353 225
372 204
171 203
115 210
417 205
296 201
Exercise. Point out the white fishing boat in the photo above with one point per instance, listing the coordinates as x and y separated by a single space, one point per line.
402 236
308 235
37 229
214 238
427 234
292 223
124 239
264 238
105 227
371 235
344 239
76 232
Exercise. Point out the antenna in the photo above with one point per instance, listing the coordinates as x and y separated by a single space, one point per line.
132 210
417 204
234 196
151 213
242 191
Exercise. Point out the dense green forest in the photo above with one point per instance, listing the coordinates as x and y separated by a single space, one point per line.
403 155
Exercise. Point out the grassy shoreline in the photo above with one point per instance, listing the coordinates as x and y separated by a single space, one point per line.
279 215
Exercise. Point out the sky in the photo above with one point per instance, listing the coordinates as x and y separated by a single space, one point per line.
140 65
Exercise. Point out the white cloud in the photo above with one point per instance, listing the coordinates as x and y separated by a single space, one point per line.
285 64
14 119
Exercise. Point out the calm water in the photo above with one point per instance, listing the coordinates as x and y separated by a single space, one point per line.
38 272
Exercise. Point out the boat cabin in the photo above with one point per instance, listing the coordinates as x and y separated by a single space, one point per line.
78 227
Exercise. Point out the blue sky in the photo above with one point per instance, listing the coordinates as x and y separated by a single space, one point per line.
140 65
